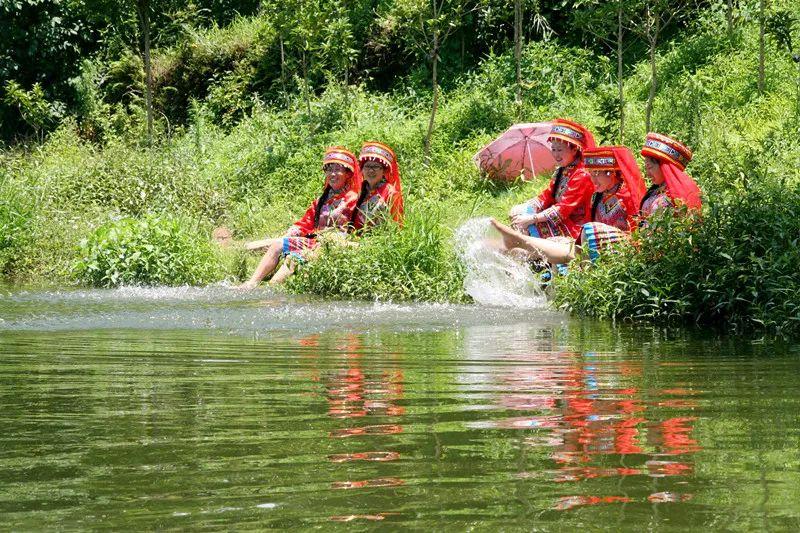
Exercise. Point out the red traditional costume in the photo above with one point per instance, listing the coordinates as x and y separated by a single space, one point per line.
334 209
612 212
387 197
564 200
678 187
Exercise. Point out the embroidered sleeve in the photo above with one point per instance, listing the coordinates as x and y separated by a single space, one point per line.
534 205
305 225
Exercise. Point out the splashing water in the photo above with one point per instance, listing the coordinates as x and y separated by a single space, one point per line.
494 278
220 306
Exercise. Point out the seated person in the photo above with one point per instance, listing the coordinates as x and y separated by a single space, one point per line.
332 211
559 209
618 192
665 161
381 195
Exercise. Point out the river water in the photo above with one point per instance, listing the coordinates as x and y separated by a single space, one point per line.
184 408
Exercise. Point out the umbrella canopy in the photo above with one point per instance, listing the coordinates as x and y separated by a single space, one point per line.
522 149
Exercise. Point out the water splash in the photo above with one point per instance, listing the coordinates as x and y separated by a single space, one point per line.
221 306
494 278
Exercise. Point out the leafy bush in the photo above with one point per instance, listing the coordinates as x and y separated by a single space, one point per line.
413 263
153 250
33 107
737 267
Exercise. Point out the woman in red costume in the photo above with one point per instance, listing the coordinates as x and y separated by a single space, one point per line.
381 194
331 211
559 210
618 187
665 161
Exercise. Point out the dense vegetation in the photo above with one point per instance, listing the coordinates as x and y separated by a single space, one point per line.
104 181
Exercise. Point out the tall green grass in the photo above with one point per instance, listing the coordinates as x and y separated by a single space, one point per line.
415 262
256 167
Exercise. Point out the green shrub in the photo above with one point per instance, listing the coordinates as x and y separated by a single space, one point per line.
415 262
737 268
152 250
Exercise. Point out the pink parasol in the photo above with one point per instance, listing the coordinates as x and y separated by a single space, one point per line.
522 149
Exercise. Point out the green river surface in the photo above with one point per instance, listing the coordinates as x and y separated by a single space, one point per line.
211 409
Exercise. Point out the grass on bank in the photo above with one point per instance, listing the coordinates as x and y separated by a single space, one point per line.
415 262
260 173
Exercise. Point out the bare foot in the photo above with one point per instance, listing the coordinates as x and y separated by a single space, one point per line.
248 286
511 238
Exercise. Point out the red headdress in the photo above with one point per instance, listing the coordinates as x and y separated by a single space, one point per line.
673 158
573 133
619 158
379 152
344 157
336 154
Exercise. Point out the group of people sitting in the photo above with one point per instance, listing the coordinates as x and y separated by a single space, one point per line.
359 193
597 195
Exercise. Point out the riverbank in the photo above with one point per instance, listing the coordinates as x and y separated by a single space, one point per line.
77 211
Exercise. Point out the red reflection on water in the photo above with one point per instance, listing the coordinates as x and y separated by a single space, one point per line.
594 426
570 502
357 392
352 394
586 406
368 483
311 340
364 456
673 436
668 468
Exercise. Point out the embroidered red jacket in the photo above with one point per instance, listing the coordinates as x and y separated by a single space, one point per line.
564 201
334 213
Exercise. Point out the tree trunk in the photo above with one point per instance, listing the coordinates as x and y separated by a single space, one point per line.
761 32
143 10
435 104
653 71
463 49
730 19
518 53
306 89
620 80
283 71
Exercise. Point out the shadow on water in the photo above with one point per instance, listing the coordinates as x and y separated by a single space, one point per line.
209 408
